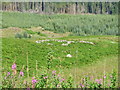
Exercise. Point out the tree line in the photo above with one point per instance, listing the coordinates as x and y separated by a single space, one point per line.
62 7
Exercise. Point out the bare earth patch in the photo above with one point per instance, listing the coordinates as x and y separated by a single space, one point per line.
50 34
11 31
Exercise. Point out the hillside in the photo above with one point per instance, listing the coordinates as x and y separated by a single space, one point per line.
83 53
59 51
79 25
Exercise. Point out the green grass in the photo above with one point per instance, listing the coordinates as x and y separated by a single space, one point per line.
86 59
77 24
105 65
31 32
83 54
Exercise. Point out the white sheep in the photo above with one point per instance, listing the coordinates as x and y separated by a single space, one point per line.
69 56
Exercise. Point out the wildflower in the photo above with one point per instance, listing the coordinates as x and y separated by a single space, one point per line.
28 88
53 72
8 73
14 69
96 80
45 77
21 73
13 66
111 76
62 80
58 75
34 81
99 81
82 85
5 77
105 76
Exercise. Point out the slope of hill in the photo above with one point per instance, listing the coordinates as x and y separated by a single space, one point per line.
52 43
77 24
82 53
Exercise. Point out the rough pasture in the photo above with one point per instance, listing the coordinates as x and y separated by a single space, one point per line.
45 60
83 52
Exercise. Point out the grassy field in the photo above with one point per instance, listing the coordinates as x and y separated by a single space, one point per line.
46 52
83 53
93 60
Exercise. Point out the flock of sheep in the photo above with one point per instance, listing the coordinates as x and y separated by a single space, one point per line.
65 42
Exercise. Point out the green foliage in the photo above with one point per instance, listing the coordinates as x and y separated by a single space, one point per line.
113 79
79 25
13 48
22 35
38 33
18 36
25 35
41 34
83 54
49 60
30 32
29 36
54 80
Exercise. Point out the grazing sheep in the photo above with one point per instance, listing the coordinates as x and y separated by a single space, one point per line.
64 44
69 56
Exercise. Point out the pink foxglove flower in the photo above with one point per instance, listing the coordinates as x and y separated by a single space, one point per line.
105 76
62 80
45 77
21 73
8 73
54 72
34 81
99 81
13 66
82 85
58 75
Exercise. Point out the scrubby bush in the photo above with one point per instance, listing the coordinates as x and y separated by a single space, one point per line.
22 35
25 35
29 36
18 36
38 33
